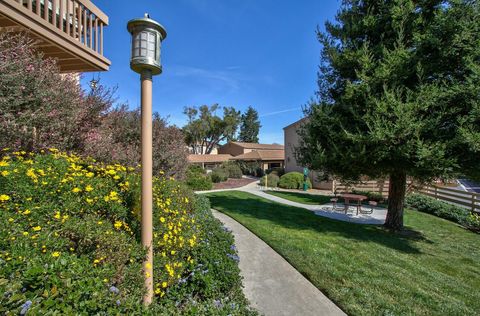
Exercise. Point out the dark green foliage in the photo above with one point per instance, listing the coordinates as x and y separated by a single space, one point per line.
441 209
197 179
272 180
250 126
233 169
219 175
399 94
251 168
276 171
293 180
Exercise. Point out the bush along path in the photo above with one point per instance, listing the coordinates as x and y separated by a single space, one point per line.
70 242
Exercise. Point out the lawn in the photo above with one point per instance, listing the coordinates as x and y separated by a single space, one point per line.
312 199
433 269
303 198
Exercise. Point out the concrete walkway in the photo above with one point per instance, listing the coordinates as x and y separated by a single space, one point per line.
271 284
377 217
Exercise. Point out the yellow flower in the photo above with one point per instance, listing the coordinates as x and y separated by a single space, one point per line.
5 173
99 222
89 175
4 198
4 164
162 219
57 215
88 188
37 228
89 201
164 284
76 190
25 233
56 254
118 224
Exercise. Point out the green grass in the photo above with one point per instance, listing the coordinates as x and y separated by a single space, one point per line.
312 199
303 198
432 269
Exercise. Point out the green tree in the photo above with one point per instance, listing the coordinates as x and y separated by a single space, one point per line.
250 126
399 95
205 129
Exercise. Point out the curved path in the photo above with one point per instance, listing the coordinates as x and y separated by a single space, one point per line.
377 218
271 284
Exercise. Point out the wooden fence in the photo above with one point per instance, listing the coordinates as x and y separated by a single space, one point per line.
470 200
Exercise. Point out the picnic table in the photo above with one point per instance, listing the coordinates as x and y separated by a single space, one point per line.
353 197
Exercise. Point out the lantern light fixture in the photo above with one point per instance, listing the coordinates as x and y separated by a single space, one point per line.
147 36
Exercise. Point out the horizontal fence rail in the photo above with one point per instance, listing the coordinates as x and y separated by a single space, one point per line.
79 19
470 200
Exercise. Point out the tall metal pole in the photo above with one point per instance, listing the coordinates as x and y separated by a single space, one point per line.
147 196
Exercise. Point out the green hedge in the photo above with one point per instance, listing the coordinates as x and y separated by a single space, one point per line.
444 210
293 180
272 182
70 243
197 179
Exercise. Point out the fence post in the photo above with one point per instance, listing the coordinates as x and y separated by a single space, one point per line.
436 192
473 202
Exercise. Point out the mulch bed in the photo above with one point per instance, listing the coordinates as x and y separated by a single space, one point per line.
232 183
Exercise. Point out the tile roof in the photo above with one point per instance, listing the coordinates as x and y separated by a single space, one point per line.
259 146
208 158
262 155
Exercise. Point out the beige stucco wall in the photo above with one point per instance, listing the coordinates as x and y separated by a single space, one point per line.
292 140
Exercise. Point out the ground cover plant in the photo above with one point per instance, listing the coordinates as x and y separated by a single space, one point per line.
365 269
70 242
441 209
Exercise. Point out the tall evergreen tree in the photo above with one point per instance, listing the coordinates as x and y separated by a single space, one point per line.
250 126
399 95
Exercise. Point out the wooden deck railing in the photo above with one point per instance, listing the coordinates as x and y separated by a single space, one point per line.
79 19
465 199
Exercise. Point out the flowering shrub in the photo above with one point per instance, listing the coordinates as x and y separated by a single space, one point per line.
70 241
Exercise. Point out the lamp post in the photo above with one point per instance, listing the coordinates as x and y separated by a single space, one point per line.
147 36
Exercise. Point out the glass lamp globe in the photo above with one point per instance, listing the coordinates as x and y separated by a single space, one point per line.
147 36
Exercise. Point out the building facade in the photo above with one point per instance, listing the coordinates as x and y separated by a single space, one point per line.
267 155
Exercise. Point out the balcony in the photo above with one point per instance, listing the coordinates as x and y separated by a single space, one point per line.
70 31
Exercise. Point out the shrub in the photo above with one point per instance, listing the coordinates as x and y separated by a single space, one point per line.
41 108
197 179
232 169
293 180
251 168
219 175
276 171
70 242
444 210
272 182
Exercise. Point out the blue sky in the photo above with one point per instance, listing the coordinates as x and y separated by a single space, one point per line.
262 53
